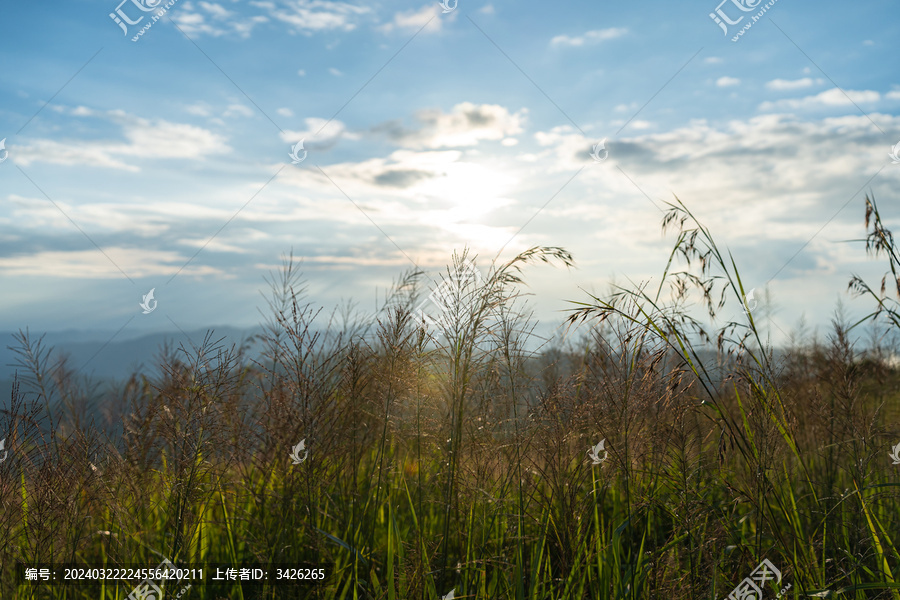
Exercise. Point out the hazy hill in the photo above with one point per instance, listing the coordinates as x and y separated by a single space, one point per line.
104 355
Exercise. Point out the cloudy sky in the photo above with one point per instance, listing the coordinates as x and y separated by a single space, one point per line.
162 159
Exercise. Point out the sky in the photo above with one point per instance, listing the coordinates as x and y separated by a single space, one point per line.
166 157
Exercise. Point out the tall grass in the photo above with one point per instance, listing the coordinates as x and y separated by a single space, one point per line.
451 454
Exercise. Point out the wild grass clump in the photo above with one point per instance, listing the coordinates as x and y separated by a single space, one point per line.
448 450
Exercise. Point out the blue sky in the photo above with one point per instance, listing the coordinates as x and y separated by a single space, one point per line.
126 158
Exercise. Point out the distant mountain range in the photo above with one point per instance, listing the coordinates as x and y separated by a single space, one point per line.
107 356
103 355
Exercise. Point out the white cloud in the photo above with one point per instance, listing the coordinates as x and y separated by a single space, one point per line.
487 9
310 16
335 72
201 109
640 124
94 154
433 196
170 140
429 16
777 153
146 139
285 112
237 110
216 10
767 185
563 146
319 134
590 37
793 84
712 60
301 73
465 125
213 19
78 111
727 81
781 176
90 264
829 98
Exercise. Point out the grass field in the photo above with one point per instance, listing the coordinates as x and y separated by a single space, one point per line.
460 463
